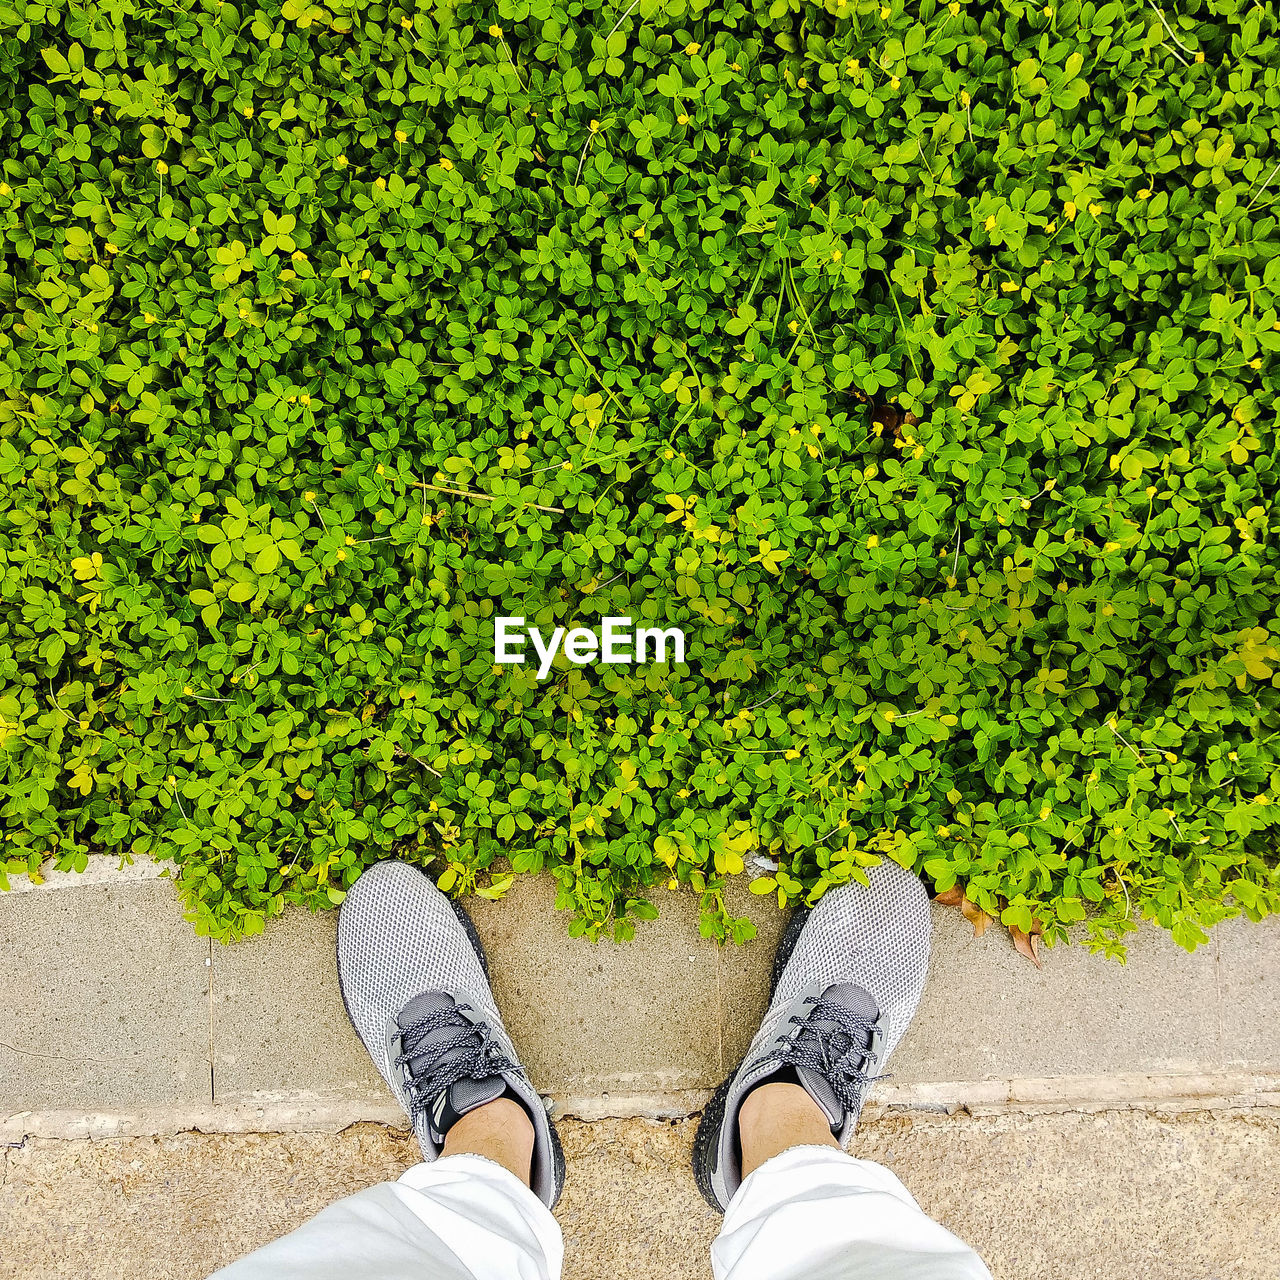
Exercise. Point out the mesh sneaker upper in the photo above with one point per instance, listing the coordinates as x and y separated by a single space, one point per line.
858 939
398 937
404 956
876 938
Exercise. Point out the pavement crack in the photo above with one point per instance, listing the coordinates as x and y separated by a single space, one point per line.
1219 1030
719 1010
213 1091
65 1057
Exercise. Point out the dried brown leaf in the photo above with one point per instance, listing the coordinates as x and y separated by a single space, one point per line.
975 915
952 898
1028 944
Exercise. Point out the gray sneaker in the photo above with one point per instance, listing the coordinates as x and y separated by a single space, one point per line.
846 981
415 982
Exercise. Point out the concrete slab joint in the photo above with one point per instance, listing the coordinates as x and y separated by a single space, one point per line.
254 1034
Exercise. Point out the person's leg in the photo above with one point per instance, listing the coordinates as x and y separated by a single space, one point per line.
769 1150
808 1211
415 983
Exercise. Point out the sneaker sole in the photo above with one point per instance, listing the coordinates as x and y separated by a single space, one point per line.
707 1138
469 928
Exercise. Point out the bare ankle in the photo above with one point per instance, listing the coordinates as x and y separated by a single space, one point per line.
776 1117
499 1130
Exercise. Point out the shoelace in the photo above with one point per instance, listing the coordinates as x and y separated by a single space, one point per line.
836 1053
470 1054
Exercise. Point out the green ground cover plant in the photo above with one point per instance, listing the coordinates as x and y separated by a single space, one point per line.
918 360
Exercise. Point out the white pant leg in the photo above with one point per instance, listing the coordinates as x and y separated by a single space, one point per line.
458 1218
814 1213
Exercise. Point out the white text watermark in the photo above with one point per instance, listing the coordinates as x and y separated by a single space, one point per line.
616 643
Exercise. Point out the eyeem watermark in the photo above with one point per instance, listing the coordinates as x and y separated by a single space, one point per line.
617 643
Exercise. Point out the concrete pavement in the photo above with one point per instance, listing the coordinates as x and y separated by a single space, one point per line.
1062 1196
167 1104
116 1018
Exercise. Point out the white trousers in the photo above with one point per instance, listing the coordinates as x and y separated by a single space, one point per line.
811 1213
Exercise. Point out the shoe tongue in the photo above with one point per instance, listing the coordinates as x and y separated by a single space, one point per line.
818 1087
463 1095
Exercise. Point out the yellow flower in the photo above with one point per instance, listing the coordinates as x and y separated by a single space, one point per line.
682 119
244 313
1008 286
965 99
1255 364
309 496
836 255
802 83
188 690
161 167
692 47
341 162
894 82
793 325
298 256
381 184
351 542
885 11
990 223
308 608
944 832
1048 11
891 715
1199 57
1052 227
1095 209
306 400
342 555
593 125
1171 757
364 275
93 328
380 470
495 31
954 7
1069 211
1050 484
1151 491
148 317
639 233
401 136
97 111
735 66
445 163
853 66
110 248
407 23
873 541
247 112
1026 504
1144 194
813 179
